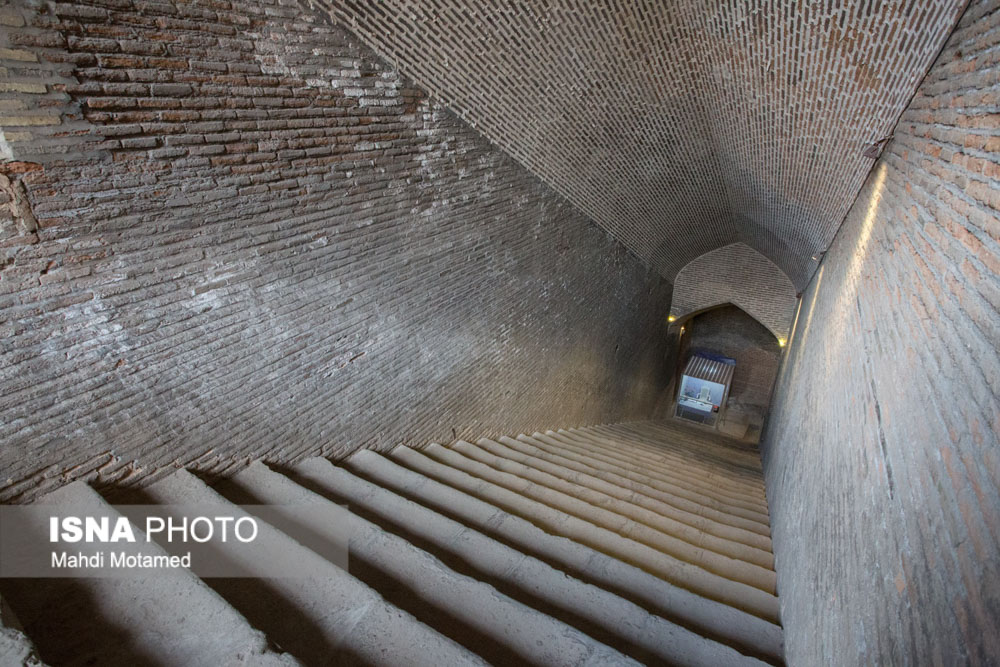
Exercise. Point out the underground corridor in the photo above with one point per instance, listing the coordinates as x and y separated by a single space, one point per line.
455 332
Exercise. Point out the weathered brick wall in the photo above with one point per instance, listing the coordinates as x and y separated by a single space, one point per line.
287 250
739 275
730 331
39 120
882 454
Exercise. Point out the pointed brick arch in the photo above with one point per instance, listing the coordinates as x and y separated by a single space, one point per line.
739 275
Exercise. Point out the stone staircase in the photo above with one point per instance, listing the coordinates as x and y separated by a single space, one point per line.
634 543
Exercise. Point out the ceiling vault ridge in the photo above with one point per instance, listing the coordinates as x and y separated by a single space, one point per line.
679 127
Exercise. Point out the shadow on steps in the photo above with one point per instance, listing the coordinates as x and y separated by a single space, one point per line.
395 591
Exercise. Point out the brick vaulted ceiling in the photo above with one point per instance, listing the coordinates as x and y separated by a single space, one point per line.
680 126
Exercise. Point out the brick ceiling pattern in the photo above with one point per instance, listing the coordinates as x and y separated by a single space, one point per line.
679 126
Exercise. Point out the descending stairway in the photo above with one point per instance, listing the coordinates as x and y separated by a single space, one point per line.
633 543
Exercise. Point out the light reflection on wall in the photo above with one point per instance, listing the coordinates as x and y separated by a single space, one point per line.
851 278
849 282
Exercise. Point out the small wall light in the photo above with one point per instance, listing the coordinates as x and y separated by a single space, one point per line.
682 330
781 342
671 318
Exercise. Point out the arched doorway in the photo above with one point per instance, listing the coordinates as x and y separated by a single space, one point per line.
729 331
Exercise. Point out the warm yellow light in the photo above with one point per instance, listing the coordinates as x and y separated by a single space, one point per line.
781 342
682 329
671 318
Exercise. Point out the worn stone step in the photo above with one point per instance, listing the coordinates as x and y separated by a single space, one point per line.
675 432
513 476
709 450
644 510
169 618
16 649
473 613
600 614
733 481
325 618
558 445
677 508
678 476
615 544
686 575
738 462
678 480
748 634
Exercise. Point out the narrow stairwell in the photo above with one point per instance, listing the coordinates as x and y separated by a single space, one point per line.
633 543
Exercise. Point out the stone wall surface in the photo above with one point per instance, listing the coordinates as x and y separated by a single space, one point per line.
882 451
275 246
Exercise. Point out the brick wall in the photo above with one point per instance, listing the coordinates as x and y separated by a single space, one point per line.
39 120
679 126
739 275
283 249
882 454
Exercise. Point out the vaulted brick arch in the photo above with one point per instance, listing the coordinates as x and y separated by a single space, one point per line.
739 275
677 126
